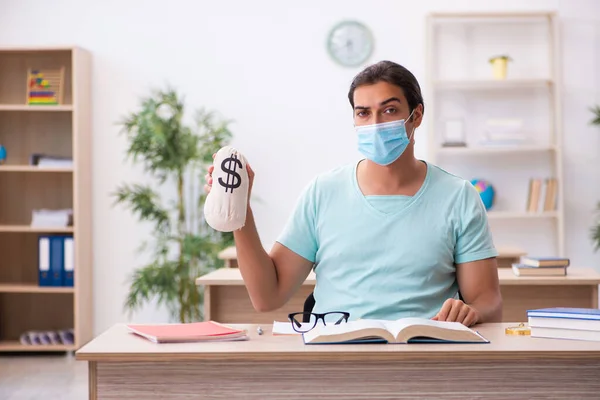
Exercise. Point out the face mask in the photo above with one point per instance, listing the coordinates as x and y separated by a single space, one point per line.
383 143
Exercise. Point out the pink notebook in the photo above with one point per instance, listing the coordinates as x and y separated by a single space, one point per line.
208 331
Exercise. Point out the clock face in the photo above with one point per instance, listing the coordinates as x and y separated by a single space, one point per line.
350 43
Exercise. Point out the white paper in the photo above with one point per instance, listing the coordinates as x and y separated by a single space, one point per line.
396 326
285 328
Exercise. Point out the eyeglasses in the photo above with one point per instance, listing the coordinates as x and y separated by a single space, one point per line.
303 322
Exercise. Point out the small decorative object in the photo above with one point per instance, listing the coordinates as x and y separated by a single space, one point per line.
486 192
45 86
500 66
520 330
350 43
454 134
2 154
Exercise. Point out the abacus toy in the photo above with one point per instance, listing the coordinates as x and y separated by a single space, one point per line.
45 86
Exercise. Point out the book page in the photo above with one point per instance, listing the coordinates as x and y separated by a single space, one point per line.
396 326
286 328
350 326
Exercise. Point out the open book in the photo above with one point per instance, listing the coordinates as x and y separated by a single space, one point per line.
405 330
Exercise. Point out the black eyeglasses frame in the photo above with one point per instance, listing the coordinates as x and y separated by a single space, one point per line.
318 316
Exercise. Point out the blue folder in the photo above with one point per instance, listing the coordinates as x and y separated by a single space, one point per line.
55 260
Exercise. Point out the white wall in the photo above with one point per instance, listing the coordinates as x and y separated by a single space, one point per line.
264 64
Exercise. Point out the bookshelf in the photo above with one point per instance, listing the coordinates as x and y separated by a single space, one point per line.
62 130
464 96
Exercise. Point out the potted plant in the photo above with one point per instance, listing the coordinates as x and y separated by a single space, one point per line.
500 66
176 157
595 231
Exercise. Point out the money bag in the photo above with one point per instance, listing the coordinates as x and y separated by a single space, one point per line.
225 205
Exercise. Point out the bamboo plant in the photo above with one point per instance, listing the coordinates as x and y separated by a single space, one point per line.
595 231
175 155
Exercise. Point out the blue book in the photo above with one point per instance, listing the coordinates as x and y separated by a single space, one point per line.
404 330
566 312
68 261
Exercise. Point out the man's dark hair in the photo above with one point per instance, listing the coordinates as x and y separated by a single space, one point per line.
395 74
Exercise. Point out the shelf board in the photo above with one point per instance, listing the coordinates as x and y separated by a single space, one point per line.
33 288
493 15
25 107
521 215
33 168
27 228
15 345
510 252
494 149
492 84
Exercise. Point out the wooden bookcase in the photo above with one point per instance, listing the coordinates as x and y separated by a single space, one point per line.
58 130
460 86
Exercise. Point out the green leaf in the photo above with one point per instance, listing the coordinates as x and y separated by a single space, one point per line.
212 134
596 237
596 111
144 202
152 281
196 246
595 230
161 142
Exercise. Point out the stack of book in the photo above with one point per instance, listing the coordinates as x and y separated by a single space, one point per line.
565 323
541 266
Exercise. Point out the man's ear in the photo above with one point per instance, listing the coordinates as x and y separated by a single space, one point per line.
417 116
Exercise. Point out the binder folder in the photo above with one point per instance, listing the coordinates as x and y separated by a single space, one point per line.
52 269
68 261
56 260
44 261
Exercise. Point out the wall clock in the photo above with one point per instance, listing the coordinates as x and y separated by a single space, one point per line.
350 43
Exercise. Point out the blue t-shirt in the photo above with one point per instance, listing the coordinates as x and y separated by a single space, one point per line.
387 257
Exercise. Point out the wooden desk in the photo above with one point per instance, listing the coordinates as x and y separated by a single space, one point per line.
123 366
226 298
229 256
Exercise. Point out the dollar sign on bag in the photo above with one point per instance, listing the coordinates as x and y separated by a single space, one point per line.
236 179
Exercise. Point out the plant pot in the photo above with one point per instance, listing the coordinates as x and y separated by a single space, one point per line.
499 67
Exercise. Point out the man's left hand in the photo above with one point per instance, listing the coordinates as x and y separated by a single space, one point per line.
454 310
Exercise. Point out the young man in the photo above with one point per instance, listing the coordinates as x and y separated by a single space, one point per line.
390 236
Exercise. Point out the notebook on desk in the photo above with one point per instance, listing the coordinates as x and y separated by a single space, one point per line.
405 330
208 331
